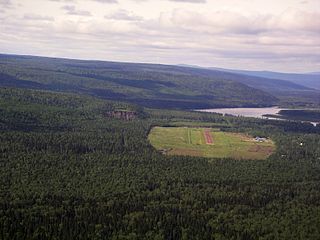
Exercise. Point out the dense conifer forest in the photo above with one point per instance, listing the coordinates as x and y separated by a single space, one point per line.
150 85
68 171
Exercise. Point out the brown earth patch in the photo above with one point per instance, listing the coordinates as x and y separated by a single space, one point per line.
208 136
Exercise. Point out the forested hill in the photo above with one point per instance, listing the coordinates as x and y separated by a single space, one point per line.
160 86
310 80
259 81
291 89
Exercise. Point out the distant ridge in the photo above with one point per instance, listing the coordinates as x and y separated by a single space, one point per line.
310 80
153 85
315 73
150 85
258 79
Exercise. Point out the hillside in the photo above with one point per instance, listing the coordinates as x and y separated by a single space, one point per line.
309 80
145 84
298 90
247 77
290 93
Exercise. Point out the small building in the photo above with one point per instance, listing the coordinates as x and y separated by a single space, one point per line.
259 139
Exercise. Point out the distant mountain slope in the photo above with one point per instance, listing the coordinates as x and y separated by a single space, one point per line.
150 85
289 93
310 80
303 90
259 82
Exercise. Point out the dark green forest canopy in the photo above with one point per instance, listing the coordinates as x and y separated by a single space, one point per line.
302 115
67 171
151 85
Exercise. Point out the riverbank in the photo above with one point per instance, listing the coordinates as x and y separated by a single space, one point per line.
273 113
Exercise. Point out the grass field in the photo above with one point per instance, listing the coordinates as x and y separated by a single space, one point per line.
191 141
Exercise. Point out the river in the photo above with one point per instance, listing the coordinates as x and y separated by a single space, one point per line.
249 112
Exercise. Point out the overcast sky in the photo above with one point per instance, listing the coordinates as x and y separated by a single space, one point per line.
280 35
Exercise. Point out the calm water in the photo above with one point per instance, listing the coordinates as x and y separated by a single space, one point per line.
245 112
248 112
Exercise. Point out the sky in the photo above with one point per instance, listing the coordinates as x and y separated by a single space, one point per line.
276 35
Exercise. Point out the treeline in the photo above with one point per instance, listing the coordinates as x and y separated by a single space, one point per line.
303 115
69 172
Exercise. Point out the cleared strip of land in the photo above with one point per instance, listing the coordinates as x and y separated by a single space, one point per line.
209 142
208 136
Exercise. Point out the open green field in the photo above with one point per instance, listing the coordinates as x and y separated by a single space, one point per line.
191 141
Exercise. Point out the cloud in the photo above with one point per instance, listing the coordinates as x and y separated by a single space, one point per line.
177 1
213 22
36 17
292 19
67 1
123 14
106 1
236 23
73 1
154 31
6 4
71 10
189 1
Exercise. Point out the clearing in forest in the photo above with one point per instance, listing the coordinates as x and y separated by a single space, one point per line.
209 142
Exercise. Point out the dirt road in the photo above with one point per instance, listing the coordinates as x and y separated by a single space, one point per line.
208 136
